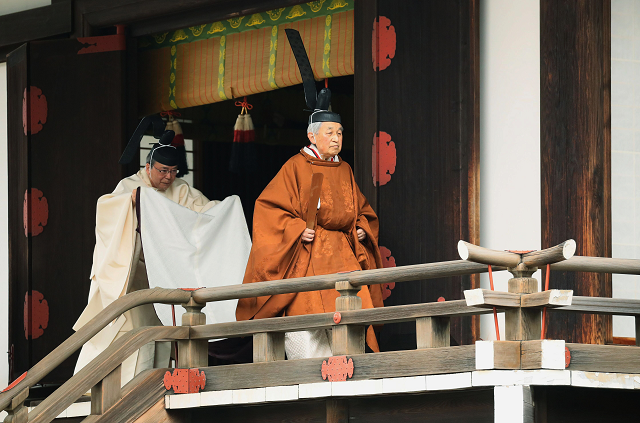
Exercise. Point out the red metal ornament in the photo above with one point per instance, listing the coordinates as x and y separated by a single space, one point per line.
36 315
441 299
36 202
387 261
337 317
383 43
337 369
38 108
15 382
567 357
102 44
383 158
185 381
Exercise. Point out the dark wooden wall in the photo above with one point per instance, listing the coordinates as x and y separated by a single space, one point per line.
426 100
68 160
575 44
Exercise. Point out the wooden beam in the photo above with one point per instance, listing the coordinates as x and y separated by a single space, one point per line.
600 305
367 366
560 252
542 354
487 298
478 254
35 24
599 265
371 316
152 16
604 358
550 298
358 278
497 355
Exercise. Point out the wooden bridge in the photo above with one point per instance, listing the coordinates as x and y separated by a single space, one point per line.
523 378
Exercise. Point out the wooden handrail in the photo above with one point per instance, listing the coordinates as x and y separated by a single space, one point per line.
510 259
88 331
599 265
313 283
358 278
370 316
100 367
601 305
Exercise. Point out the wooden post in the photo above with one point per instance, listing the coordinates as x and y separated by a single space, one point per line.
268 347
337 410
347 339
433 332
17 412
106 392
193 353
523 324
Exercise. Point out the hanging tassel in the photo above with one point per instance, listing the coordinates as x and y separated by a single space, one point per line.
249 129
238 129
244 156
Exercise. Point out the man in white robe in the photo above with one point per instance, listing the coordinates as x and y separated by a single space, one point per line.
118 261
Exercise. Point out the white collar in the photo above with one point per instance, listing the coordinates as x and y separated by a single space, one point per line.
312 150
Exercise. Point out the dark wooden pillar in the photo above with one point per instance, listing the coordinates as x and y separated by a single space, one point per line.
575 146
420 106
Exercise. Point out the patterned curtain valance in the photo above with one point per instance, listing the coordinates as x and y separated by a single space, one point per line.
243 56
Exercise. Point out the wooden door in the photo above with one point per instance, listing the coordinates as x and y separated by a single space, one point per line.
66 102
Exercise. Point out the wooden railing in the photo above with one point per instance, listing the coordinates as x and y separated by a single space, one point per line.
522 306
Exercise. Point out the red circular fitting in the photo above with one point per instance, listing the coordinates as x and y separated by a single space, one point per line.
337 317
440 299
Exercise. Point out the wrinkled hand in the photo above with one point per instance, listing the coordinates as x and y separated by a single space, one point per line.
133 196
308 235
361 234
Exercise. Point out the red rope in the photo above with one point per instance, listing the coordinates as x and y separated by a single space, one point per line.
495 312
544 310
244 104
326 82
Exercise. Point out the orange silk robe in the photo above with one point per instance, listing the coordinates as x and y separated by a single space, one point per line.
278 253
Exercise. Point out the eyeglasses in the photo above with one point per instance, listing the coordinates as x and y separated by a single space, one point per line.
164 172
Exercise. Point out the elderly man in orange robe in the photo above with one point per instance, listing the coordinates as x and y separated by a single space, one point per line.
345 236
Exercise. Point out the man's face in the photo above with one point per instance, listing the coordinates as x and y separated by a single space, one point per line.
328 141
161 176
